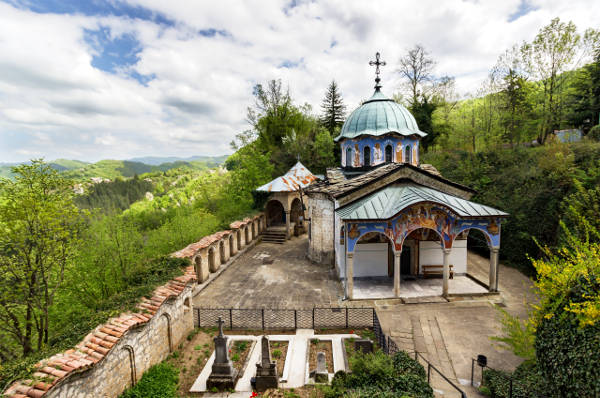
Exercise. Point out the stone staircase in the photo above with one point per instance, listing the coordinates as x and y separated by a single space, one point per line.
274 235
420 332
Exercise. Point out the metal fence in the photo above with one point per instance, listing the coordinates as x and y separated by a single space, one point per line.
282 319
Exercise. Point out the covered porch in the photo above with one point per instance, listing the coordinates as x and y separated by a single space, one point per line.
409 241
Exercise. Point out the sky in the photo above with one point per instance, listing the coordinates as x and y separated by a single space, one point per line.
116 79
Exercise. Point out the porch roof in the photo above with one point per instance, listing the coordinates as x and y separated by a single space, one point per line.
386 203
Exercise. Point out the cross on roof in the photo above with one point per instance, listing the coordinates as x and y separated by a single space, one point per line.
377 64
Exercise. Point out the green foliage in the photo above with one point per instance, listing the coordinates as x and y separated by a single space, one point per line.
380 375
276 354
526 382
39 231
114 196
518 336
240 346
332 109
160 381
567 354
594 133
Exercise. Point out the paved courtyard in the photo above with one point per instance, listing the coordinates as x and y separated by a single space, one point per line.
383 287
270 275
447 334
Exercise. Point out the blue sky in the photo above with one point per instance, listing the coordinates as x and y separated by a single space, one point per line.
97 79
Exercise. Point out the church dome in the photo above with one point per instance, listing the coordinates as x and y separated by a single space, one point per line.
379 116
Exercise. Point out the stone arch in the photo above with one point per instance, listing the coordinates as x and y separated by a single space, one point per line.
246 234
238 235
131 356
231 248
169 330
296 211
212 264
222 251
275 213
416 229
366 156
388 153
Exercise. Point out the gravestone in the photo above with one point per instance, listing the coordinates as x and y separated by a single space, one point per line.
266 370
364 345
321 375
223 375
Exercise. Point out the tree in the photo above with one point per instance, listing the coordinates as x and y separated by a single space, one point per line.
416 67
333 109
556 49
39 229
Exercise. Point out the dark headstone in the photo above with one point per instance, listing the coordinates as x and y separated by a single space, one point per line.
266 370
364 346
223 375
321 375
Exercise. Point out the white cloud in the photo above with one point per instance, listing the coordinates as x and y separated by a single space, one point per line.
197 100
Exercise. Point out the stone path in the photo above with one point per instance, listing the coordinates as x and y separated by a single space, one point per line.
449 335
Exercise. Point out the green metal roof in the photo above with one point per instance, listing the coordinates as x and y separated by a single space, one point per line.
388 202
378 116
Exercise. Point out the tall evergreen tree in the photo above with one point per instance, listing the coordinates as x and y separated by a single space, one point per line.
334 110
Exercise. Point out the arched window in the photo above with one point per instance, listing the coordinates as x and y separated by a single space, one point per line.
349 157
367 156
388 154
407 154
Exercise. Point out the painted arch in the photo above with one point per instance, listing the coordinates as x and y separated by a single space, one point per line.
426 215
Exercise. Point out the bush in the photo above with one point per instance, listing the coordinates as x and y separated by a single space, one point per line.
380 375
594 133
160 381
526 382
568 354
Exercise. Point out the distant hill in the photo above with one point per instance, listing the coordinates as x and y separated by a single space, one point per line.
112 169
157 160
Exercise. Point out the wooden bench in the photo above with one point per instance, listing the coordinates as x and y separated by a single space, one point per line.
435 269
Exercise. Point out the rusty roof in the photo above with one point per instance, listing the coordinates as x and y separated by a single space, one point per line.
297 177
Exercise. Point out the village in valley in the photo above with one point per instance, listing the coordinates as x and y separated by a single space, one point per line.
419 243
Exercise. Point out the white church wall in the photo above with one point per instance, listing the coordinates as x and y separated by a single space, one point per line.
340 249
371 259
430 253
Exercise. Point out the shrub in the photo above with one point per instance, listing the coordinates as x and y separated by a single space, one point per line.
526 382
276 354
594 133
235 357
160 381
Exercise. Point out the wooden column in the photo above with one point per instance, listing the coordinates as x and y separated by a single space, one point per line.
446 272
349 276
397 273
493 286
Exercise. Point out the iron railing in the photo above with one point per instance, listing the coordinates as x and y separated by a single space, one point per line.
283 319
390 347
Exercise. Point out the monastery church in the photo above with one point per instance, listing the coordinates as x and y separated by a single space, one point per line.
382 217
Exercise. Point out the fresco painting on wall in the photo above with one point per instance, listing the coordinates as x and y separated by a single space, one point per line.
429 216
377 144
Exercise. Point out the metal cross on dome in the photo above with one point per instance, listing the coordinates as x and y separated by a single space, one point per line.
377 64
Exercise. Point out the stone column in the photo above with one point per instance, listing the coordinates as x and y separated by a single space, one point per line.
397 273
446 272
287 223
349 276
493 286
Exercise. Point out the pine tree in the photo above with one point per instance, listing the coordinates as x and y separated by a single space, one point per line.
333 109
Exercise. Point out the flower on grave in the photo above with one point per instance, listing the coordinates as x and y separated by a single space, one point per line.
352 332
254 394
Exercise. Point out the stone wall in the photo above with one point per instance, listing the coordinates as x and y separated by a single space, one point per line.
115 355
321 234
